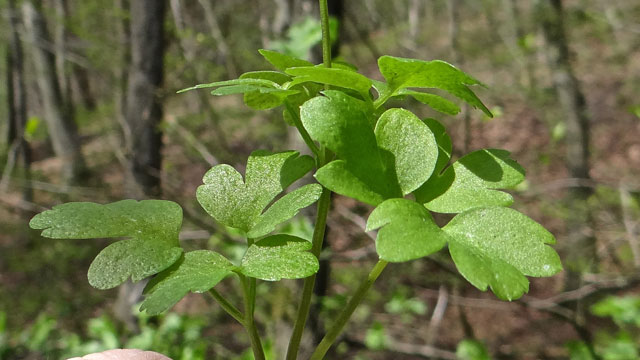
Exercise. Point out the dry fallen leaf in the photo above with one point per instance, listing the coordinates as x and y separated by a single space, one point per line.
123 354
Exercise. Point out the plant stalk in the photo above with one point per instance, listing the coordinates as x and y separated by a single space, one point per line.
322 210
342 319
227 306
248 287
309 282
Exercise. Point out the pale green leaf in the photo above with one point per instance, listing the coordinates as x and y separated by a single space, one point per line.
471 182
282 61
285 208
239 204
411 144
402 73
152 227
279 257
196 271
436 102
497 247
275 76
331 76
254 82
408 231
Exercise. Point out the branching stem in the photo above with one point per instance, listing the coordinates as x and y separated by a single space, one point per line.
344 316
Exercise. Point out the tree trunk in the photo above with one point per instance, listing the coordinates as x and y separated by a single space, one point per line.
458 60
19 151
581 243
143 106
143 114
60 122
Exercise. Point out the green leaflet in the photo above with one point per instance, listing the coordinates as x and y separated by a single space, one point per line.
408 231
279 257
239 204
347 79
388 162
410 144
284 209
282 61
275 76
266 98
252 82
496 247
403 73
436 102
196 271
470 182
445 147
152 227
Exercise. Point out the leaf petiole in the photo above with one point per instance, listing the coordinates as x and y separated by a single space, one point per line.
346 313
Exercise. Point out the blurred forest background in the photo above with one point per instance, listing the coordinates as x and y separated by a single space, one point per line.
90 113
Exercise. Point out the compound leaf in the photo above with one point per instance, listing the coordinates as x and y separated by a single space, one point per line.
408 231
402 73
196 271
279 257
239 204
331 76
282 61
497 247
471 182
285 208
152 227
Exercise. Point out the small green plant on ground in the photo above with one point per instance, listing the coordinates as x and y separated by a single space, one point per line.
387 158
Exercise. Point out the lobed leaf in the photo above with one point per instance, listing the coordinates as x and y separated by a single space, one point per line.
239 204
402 73
196 271
408 231
471 182
284 209
388 162
279 257
497 247
347 79
262 98
152 227
282 61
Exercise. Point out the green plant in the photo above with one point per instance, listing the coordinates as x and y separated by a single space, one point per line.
387 158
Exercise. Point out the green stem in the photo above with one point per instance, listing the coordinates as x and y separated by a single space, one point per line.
227 306
337 327
326 37
249 325
303 132
307 289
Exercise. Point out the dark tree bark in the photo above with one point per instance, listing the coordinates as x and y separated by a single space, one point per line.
60 122
19 151
143 105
